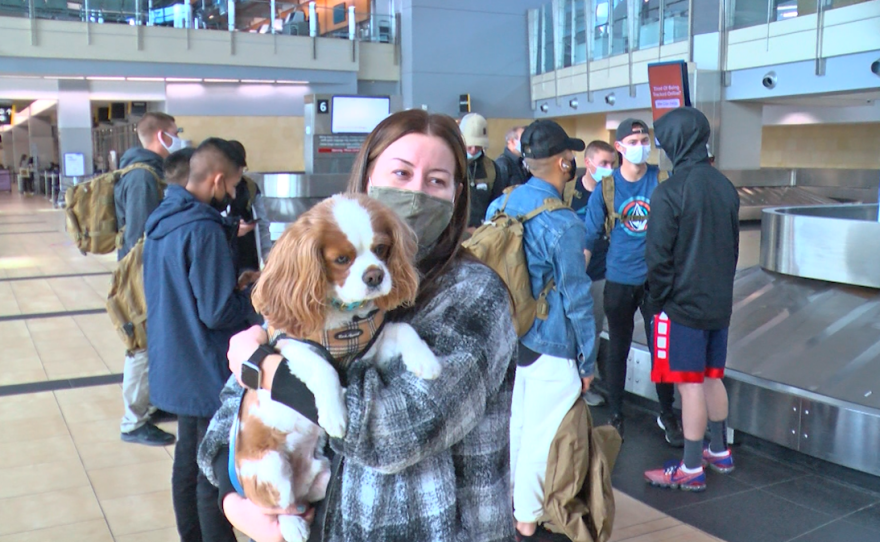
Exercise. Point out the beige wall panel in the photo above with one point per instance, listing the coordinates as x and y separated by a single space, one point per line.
272 143
843 146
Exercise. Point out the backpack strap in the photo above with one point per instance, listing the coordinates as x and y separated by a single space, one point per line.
507 192
568 192
489 166
611 216
550 204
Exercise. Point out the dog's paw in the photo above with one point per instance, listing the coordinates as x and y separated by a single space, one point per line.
422 363
293 528
332 416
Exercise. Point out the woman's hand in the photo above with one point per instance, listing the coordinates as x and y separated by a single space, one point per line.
260 524
245 228
242 346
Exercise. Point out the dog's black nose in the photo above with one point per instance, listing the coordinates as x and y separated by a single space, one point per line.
373 277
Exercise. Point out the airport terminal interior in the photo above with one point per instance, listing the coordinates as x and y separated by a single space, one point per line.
791 89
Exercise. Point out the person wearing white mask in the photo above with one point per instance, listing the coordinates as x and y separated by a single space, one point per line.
136 195
481 171
625 223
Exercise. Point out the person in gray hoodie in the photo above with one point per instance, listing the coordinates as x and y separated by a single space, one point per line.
136 195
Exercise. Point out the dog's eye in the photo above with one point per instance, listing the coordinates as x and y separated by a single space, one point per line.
342 260
381 251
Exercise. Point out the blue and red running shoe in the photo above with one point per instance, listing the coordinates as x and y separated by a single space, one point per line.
673 477
719 463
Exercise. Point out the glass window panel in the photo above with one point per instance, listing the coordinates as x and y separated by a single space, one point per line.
567 25
648 23
580 29
601 28
675 21
745 13
619 27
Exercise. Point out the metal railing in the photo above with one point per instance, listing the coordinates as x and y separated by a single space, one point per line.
253 16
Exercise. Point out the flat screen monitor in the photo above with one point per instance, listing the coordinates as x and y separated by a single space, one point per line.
117 111
358 114
138 109
5 115
103 114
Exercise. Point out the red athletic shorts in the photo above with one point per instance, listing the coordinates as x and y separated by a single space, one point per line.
686 355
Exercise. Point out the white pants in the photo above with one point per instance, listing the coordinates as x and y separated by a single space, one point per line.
543 393
136 391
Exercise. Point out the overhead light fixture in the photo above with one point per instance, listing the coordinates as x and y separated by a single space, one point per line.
183 80
146 79
221 80
544 108
102 78
573 103
281 82
769 80
66 77
610 98
875 67
258 81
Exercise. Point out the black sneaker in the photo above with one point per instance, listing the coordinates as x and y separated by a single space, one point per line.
149 435
616 421
161 416
668 422
542 535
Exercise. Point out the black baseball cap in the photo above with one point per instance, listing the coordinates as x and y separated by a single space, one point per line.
546 138
629 127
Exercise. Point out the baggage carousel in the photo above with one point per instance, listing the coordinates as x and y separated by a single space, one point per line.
804 346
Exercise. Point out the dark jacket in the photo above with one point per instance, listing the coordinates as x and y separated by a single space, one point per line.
511 171
194 308
244 248
693 236
136 196
483 180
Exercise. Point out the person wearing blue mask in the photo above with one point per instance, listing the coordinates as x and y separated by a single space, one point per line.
481 171
599 159
625 223
511 170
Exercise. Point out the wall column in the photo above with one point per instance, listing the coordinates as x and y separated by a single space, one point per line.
75 123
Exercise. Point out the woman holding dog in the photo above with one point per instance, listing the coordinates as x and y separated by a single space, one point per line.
421 460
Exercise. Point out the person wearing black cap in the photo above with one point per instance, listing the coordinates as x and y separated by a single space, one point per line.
625 267
692 249
555 364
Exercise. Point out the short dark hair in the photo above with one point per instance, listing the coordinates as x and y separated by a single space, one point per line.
598 146
214 154
240 148
151 124
177 166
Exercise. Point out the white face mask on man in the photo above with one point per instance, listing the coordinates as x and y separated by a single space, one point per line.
176 142
636 154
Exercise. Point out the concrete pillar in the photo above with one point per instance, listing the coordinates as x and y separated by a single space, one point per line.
42 144
75 123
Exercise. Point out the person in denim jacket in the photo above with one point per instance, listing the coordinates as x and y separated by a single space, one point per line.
554 364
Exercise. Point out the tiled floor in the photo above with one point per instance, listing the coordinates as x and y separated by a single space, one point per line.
64 473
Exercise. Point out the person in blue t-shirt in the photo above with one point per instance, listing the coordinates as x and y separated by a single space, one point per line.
626 269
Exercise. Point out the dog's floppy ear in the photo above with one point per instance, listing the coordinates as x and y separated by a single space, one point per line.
292 288
401 261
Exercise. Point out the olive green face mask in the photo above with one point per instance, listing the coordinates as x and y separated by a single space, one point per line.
427 215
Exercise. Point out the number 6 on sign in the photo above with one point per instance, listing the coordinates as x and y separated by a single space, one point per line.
323 107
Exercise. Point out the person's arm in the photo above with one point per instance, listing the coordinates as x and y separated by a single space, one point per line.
573 285
397 422
264 237
141 199
212 278
659 249
594 220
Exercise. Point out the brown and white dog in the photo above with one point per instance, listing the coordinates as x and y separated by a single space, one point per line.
329 279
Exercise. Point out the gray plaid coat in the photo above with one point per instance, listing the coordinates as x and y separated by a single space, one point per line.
424 460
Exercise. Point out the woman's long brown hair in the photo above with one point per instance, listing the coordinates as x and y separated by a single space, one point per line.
448 249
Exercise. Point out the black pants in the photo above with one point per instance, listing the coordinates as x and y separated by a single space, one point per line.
621 303
195 500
